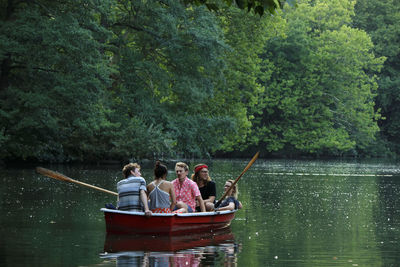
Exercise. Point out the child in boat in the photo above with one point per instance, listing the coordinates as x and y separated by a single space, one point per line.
161 193
230 202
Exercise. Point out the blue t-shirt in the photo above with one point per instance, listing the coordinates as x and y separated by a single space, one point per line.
229 200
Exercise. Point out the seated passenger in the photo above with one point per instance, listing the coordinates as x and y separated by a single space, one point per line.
132 190
186 191
230 202
161 192
206 186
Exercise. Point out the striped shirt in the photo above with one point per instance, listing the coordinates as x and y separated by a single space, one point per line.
129 193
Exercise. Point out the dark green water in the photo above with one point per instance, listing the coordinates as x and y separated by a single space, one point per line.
296 213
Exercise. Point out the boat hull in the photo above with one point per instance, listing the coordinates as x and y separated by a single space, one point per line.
119 222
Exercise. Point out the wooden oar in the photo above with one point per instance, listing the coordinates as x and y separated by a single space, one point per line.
237 179
62 177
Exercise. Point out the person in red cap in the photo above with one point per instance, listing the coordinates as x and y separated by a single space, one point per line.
206 186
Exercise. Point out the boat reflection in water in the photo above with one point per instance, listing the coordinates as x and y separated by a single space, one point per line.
212 248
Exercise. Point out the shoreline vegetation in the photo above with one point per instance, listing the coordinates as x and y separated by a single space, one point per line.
31 164
98 82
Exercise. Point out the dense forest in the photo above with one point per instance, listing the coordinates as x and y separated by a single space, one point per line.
88 80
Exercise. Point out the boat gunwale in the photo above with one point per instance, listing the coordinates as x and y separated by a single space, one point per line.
193 214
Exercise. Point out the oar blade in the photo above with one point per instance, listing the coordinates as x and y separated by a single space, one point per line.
61 177
52 174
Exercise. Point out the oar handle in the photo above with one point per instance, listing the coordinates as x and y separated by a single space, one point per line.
237 179
62 177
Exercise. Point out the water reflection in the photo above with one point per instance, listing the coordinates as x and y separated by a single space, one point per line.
216 248
351 219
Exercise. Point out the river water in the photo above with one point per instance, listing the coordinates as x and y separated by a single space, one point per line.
296 213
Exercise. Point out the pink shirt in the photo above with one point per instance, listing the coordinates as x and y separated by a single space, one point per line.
186 193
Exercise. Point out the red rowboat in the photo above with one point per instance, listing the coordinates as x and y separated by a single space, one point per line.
120 222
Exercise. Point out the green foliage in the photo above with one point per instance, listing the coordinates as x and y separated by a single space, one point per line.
89 79
138 81
320 95
257 6
52 77
167 77
246 35
380 19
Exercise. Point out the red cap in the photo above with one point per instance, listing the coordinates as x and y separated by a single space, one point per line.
198 168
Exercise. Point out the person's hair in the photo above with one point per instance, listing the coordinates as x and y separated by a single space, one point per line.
235 189
128 168
196 176
182 165
160 170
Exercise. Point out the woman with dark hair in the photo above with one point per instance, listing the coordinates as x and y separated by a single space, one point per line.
230 202
161 192
206 186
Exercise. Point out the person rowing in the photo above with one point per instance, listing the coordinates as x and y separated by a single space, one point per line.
230 202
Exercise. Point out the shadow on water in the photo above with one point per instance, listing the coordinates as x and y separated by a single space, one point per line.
211 248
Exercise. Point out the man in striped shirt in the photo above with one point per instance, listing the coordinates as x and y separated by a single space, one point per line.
132 190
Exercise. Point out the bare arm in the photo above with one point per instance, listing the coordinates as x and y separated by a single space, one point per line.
148 191
143 198
231 206
201 203
210 199
172 196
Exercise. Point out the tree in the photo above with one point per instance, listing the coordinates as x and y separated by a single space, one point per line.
89 79
381 19
246 34
52 76
257 6
320 96
169 62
